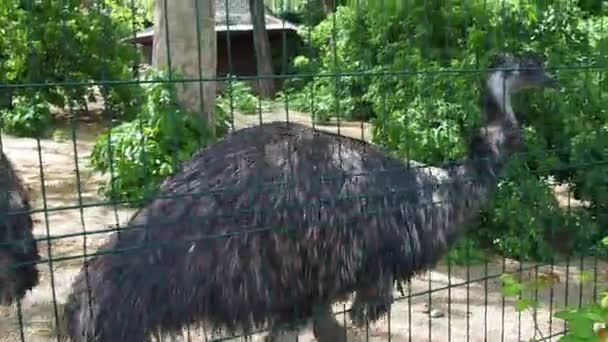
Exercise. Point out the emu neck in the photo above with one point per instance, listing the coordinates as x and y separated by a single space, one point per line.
497 99
495 142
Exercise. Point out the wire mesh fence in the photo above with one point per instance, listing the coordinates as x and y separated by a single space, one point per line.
160 206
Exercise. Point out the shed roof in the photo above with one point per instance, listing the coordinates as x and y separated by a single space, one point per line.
238 19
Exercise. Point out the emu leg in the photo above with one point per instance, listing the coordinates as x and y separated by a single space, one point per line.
371 303
9 289
15 282
326 328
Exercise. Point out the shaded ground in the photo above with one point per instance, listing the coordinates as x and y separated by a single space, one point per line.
475 310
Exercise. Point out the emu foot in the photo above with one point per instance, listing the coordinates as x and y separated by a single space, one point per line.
369 306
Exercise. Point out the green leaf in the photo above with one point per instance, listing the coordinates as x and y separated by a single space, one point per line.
511 287
507 279
604 302
572 338
523 303
582 327
512 290
585 276
565 314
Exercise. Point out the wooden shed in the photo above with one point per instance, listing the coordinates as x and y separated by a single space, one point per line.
235 30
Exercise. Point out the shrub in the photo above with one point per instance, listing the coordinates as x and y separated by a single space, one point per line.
141 153
241 98
318 100
340 95
29 116
240 95
59 41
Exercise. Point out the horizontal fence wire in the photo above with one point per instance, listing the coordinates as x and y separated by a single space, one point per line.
218 79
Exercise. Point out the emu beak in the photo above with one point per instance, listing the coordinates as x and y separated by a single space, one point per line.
550 82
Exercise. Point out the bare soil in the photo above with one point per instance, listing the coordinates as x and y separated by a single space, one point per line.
473 311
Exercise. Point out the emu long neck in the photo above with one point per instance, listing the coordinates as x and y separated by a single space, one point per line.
495 142
470 182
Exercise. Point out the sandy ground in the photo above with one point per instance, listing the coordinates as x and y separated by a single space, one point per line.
460 312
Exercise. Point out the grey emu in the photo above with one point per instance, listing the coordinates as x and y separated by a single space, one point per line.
18 249
276 222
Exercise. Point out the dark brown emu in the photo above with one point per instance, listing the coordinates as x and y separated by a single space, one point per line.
18 249
275 223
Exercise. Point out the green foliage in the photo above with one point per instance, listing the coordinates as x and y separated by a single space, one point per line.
581 321
141 153
318 99
28 117
467 252
523 219
343 95
60 135
240 95
143 11
308 12
58 41
410 68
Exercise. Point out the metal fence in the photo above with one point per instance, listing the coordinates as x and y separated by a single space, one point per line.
454 301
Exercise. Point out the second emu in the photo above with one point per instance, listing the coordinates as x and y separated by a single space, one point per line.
18 249
275 223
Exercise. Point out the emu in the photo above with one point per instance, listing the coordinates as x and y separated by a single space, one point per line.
18 249
273 224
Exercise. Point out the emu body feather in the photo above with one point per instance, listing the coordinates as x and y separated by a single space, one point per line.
280 220
266 224
18 249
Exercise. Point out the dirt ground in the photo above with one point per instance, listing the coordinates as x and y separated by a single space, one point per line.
458 312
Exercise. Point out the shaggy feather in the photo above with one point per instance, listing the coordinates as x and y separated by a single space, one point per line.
18 249
277 220
338 215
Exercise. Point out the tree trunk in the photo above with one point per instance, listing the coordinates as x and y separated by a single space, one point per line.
262 48
193 51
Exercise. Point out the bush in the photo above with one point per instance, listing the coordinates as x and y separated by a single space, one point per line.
410 71
340 95
139 154
28 117
240 95
318 100
59 41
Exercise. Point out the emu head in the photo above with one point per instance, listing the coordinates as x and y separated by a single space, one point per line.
522 72
512 73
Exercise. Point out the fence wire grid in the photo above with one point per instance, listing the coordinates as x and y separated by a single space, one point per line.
405 77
